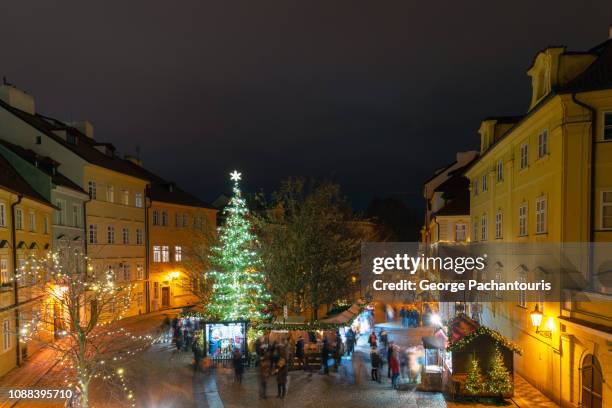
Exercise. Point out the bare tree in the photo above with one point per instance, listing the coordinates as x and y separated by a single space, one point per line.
80 308
310 245
196 263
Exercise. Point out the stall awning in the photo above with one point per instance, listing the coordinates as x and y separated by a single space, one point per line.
344 317
433 342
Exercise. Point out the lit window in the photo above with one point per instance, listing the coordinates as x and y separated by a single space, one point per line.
138 200
127 272
93 234
138 236
483 228
92 190
460 232
606 209
125 198
139 300
110 234
500 171
19 219
524 156
110 194
543 143
498 225
139 271
125 234
541 215
523 219
4 272
165 253
156 253
178 253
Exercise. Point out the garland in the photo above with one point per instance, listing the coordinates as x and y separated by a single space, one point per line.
497 338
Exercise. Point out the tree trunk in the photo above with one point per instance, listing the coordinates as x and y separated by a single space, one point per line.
84 394
315 311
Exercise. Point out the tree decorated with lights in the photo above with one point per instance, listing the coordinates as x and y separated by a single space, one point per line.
78 320
473 381
499 381
238 290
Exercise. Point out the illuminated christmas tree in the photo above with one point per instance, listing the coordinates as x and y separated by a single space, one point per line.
499 381
238 291
473 381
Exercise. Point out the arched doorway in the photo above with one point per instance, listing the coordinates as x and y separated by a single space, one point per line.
591 382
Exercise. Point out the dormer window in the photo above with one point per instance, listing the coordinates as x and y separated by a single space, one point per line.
71 138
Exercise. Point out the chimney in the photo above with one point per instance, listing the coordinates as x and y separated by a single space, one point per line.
17 98
83 126
137 161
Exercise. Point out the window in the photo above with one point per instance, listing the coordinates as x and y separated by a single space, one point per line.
125 235
32 221
606 209
110 194
46 224
483 228
156 253
522 294
500 171
125 197
165 253
139 271
541 215
178 253
484 183
4 272
2 215
543 143
138 200
475 186
110 272
523 220
127 272
76 215
155 217
6 334
155 290
498 278
138 236
607 126
164 218
93 234
498 225
60 213
185 220
178 219
139 298
460 232
110 234
524 155
475 231
92 190
19 219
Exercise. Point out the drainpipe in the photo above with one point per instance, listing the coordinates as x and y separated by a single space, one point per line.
593 197
85 227
16 281
148 202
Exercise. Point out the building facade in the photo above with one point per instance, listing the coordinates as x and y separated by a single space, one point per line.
546 178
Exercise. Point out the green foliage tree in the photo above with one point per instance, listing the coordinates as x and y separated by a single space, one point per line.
474 382
238 289
499 380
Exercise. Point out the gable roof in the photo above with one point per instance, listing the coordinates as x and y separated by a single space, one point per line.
11 180
596 76
43 163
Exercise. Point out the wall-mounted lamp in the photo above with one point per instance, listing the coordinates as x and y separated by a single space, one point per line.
536 321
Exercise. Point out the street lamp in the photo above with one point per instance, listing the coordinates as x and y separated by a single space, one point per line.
536 320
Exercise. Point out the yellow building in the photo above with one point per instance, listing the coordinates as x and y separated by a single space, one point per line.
25 231
546 177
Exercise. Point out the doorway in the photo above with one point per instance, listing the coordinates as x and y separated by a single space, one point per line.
165 298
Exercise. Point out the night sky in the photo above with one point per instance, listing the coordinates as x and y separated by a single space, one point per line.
373 94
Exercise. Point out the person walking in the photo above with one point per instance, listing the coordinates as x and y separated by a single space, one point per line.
350 341
395 368
299 352
375 361
238 366
384 338
197 355
325 356
389 351
282 372
263 373
372 340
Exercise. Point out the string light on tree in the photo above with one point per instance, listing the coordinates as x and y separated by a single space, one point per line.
239 291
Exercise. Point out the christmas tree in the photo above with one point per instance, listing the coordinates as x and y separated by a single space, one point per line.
238 291
473 381
499 381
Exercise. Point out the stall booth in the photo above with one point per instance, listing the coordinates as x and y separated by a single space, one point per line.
471 341
222 338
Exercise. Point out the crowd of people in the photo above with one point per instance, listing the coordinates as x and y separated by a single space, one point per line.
401 362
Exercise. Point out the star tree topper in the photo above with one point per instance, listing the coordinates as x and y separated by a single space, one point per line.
235 176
